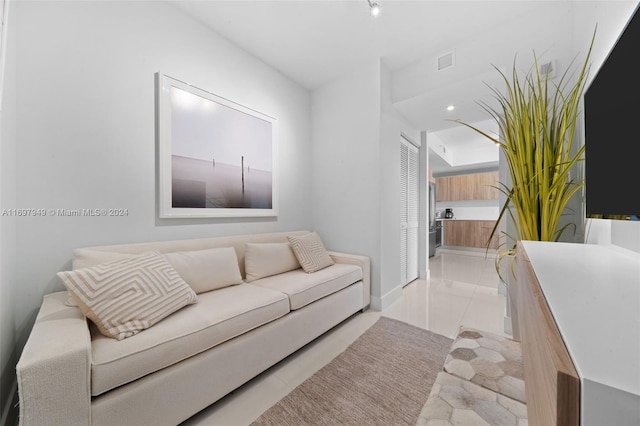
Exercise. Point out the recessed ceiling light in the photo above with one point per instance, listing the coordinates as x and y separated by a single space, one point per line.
450 108
375 8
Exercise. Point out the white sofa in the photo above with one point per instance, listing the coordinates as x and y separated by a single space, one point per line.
71 374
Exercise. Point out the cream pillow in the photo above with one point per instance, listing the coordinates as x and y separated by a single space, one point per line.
310 252
126 296
266 259
83 258
206 270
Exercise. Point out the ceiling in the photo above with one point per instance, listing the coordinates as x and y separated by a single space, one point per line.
315 42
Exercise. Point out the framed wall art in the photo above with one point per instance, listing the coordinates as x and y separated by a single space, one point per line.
216 158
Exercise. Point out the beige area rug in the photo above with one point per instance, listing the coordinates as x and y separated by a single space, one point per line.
383 378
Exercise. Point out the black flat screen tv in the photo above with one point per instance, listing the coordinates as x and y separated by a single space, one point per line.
612 131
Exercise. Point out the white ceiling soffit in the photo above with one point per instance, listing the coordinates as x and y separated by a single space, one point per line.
315 42
440 167
428 110
460 149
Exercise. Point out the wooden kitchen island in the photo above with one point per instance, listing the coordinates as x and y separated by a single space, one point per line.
579 320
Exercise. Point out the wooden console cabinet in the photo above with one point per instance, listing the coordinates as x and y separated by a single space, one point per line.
551 382
577 308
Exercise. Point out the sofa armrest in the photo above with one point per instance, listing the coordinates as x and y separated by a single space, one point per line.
363 262
54 369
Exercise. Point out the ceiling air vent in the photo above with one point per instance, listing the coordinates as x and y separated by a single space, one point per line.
548 69
446 60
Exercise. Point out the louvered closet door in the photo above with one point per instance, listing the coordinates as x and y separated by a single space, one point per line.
409 211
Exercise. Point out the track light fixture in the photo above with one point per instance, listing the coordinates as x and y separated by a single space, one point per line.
374 8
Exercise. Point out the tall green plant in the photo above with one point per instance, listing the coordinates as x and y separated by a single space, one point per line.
537 121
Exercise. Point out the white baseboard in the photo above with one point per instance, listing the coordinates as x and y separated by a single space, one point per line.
425 275
469 251
8 404
381 303
507 325
502 289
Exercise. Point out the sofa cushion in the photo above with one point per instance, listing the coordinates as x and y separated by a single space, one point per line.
85 258
206 270
310 252
266 259
126 296
218 316
303 288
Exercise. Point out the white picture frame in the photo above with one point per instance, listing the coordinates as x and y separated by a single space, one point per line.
215 157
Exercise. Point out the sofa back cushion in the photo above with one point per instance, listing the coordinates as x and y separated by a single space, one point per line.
266 259
89 256
206 270
126 296
85 258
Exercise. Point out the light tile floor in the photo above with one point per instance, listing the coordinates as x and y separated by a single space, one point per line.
462 290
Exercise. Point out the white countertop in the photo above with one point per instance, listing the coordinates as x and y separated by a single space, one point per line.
484 210
461 219
593 292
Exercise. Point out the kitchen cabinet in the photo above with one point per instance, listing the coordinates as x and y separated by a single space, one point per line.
469 233
477 186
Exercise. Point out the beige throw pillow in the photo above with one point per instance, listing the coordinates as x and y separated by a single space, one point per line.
310 252
126 296
206 270
266 259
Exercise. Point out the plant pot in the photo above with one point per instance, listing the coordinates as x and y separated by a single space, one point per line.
508 278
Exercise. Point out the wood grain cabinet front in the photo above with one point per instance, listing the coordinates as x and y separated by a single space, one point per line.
469 233
577 307
552 382
477 186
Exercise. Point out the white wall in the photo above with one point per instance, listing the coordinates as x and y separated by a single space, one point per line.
626 234
8 350
622 233
356 172
611 18
346 165
392 126
85 129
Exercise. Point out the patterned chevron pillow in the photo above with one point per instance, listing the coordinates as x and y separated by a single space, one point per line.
126 296
310 252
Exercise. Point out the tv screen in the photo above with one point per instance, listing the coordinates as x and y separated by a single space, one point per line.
612 131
